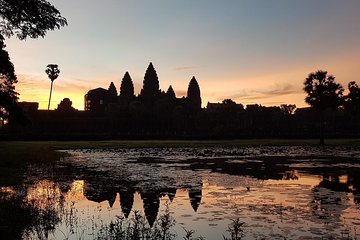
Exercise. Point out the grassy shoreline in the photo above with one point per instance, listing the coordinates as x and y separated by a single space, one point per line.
13 153
179 143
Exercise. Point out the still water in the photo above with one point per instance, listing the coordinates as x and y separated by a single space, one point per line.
277 192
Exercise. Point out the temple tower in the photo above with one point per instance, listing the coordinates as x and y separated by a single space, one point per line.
127 86
170 93
193 96
150 90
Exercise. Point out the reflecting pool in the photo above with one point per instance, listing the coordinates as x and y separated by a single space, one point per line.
276 192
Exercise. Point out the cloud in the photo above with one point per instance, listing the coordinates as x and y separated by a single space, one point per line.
73 87
264 93
31 83
35 84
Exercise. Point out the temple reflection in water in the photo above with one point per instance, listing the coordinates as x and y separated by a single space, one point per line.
99 192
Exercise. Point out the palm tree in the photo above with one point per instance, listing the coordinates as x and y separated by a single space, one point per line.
323 93
53 71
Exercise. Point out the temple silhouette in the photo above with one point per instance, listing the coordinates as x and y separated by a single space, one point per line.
155 113
151 102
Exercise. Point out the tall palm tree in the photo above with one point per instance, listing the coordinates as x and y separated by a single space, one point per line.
323 93
53 71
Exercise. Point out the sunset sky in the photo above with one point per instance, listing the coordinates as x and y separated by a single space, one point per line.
252 51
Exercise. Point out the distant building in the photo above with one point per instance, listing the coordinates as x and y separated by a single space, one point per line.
225 106
96 100
28 107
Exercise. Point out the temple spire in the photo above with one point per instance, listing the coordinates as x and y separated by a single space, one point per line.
112 90
170 93
127 86
150 90
193 95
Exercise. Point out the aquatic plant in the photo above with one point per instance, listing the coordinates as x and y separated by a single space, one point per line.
189 235
138 228
236 230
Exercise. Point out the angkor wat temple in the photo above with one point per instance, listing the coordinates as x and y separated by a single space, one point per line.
100 100
154 113
151 112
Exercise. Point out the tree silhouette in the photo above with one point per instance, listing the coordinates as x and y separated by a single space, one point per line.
288 109
53 71
127 86
352 100
229 102
8 96
30 18
323 93
65 106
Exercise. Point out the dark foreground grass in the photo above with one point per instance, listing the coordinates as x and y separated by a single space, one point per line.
16 156
195 143
16 153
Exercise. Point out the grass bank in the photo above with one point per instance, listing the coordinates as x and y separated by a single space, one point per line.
16 156
60 145
43 151
13 153
16 153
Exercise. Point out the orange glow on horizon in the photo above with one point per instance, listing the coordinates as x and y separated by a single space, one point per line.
268 88
32 90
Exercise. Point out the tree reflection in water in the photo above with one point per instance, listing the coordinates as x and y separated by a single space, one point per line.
21 217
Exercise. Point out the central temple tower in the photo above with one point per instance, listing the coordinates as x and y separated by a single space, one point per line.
150 91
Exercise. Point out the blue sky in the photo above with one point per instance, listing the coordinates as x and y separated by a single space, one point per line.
253 51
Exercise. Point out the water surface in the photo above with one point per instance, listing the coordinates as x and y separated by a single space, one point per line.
292 192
